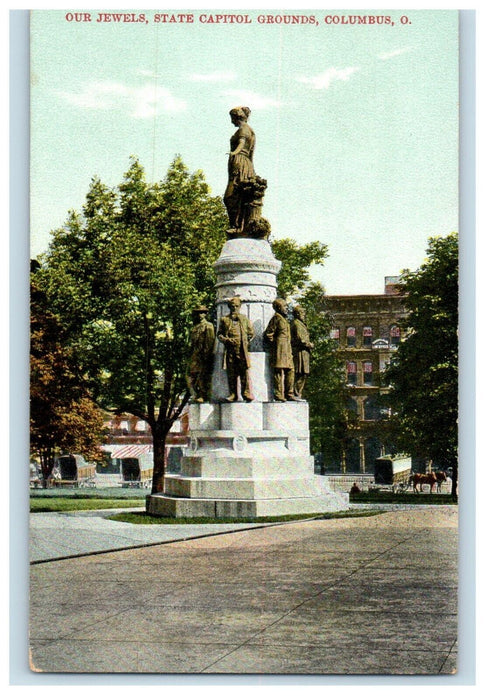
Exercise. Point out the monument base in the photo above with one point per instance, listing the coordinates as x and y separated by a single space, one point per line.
170 507
244 461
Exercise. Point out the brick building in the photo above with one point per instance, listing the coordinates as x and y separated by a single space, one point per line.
129 437
367 329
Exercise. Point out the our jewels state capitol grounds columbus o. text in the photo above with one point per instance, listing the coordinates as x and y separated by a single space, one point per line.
204 18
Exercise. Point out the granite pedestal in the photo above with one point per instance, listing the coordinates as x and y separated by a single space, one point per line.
246 460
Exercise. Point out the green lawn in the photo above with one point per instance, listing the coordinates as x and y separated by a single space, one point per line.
51 501
142 518
61 504
412 498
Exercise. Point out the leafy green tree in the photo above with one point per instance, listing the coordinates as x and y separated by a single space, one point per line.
63 418
123 277
296 260
423 374
325 388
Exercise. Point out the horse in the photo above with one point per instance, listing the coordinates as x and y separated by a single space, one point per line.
440 478
420 479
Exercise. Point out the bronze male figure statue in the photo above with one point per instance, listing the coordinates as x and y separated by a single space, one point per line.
236 332
201 363
301 347
278 337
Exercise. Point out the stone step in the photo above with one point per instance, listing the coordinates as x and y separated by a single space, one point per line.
242 489
229 464
170 506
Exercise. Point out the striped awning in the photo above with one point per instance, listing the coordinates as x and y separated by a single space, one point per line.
125 451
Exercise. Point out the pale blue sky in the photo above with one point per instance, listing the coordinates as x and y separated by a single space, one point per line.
356 126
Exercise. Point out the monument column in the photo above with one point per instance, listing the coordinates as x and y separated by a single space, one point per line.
246 269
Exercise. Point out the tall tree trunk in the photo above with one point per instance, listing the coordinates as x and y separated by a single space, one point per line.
46 464
454 482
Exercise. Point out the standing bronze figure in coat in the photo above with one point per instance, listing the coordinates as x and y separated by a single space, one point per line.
278 337
201 363
236 332
301 347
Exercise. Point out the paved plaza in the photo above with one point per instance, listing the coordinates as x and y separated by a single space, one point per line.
369 595
70 534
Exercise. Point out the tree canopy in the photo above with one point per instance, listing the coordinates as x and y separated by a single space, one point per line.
123 278
63 418
296 260
423 374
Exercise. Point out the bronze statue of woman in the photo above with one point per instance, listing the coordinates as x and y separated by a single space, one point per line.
240 167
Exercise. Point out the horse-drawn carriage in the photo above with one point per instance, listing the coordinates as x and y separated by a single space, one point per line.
73 470
393 472
135 463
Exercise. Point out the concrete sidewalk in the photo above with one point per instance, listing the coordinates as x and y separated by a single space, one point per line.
373 595
60 535
70 534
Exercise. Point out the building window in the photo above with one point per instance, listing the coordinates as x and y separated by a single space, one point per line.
352 373
371 409
395 334
335 335
367 366
351 337
352 455
367 336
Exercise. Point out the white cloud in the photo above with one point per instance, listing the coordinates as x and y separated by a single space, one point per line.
151 100
139 102
325 79
396 52
215 77
252 99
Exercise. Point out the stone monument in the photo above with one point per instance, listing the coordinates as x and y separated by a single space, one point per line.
249 454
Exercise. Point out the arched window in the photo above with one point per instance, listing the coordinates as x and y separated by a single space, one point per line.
367 336
351 337
367 367
352 373
395 336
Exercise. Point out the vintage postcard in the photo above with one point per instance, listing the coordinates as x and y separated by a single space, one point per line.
244 357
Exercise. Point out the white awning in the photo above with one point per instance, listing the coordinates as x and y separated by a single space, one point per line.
124 451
